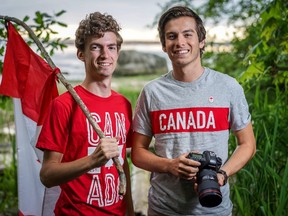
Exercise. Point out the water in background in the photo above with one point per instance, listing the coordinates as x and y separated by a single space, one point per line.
73 69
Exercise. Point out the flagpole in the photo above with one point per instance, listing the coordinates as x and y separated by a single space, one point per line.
122 177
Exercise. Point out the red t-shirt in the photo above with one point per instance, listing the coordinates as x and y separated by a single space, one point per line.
67 130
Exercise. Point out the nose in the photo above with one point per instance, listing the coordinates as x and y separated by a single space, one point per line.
105 52
180 40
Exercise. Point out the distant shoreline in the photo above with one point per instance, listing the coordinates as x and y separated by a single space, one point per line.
128 42
215 46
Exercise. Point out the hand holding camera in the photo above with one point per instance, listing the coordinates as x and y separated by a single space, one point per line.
208 187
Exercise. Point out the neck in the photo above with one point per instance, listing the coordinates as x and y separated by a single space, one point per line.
187 74
102 89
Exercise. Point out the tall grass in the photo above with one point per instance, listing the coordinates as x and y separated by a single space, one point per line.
8 176
261 188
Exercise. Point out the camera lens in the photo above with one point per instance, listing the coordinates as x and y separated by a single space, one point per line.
208 188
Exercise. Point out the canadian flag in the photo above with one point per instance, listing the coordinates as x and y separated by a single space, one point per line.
32 83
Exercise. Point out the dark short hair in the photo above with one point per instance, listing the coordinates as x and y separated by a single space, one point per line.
176 12
96 24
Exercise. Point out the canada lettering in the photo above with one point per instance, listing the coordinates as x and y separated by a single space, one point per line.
109 130
177 121
197 119
110 194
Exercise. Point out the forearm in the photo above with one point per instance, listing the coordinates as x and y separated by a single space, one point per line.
238 159
54 173
143 158
180 166
147 160
243 153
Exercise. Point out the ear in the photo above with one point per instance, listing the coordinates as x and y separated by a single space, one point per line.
164 48
202 44
80 55
118 53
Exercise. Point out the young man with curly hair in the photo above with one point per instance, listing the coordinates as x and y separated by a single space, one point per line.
74 156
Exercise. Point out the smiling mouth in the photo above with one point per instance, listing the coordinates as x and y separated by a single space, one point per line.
180 52
103 64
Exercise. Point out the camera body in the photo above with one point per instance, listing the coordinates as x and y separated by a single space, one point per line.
208 160
208 187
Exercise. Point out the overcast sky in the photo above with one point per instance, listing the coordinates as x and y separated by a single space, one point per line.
133 16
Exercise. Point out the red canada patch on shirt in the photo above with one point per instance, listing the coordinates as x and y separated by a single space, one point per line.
199 119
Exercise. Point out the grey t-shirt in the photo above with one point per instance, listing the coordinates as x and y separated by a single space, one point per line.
184 117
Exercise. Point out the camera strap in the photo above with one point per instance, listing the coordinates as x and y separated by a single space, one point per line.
224 174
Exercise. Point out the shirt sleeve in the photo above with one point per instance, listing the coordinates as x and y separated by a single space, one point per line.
142 121
240 115
55 130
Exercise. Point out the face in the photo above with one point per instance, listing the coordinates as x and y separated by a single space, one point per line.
100 56
181 41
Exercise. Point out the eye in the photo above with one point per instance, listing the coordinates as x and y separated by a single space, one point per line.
95 47
170 36
187 35
113 47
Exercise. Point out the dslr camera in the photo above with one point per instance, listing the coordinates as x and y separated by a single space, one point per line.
208 187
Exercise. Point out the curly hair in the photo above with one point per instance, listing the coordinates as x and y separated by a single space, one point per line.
96 24
176 12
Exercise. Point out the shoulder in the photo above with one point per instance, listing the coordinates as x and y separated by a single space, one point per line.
120 97
220 75
120 101
225 80
65 101
155 83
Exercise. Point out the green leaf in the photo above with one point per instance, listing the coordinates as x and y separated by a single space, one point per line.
62 24
26 18
60 13
46 15
269 28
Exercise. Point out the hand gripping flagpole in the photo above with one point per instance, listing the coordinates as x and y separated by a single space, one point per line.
122 177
